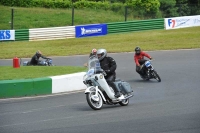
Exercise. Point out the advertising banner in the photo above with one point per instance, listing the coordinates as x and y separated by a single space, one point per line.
91 30
182 22
7 35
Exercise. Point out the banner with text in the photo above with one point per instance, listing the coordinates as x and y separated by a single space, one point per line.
91 30
182 22
7 35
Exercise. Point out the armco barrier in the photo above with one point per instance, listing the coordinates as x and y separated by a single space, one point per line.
22 35
139 25
51 33
41 86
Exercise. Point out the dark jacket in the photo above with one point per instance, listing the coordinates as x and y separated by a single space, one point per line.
108 63
92 55
35 59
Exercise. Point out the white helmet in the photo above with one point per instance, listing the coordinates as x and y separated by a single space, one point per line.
101 52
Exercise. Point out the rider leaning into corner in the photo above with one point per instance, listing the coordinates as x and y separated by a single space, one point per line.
139 60
35 59
109 65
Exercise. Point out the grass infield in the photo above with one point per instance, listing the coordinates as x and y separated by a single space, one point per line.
185 38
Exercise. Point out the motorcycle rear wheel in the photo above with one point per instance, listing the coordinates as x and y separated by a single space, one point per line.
93 104
124 102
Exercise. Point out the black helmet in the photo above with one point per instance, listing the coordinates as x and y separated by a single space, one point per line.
137 50
101 52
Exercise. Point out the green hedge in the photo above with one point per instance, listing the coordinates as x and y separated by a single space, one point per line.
80 4
61 4
144 7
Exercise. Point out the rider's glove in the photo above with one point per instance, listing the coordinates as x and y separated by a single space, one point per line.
107 71
140 67
151 58
104 73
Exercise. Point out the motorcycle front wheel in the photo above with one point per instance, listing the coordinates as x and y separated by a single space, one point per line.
157 77
96 105
124 102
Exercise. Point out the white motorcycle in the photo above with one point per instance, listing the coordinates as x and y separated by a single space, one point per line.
98 92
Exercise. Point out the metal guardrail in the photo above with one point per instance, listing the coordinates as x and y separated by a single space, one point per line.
51 33
139 25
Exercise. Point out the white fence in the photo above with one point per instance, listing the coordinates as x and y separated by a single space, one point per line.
51 33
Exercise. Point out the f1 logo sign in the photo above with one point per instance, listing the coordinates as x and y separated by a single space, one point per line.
171 23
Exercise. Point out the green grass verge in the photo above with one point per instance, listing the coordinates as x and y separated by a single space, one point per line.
25 72
185 38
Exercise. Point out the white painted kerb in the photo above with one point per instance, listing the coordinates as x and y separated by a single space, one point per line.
69 82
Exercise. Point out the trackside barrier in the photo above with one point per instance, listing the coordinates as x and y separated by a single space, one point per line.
91 30
182 22
22 35
54 33
51 33
138 25
7 35
70 82
25 87
41 86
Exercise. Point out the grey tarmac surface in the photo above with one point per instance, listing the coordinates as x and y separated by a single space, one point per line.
171 106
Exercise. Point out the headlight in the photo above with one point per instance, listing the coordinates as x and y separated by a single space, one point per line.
92 89
90 72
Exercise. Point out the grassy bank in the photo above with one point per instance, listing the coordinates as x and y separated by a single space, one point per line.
185 38
27 18
25 72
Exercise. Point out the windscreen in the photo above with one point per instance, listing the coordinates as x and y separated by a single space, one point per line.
93 65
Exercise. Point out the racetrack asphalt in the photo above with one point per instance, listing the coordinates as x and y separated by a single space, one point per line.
171 106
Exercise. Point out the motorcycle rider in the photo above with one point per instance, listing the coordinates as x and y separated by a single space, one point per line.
93 52
35 59
139 60
109 65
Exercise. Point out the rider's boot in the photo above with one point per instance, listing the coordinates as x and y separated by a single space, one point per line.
143 74
117 92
